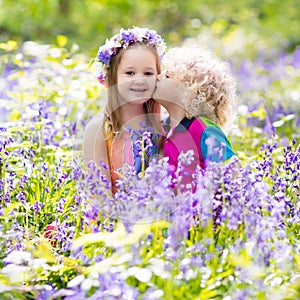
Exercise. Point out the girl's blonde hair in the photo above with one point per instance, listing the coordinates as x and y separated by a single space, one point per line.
112 122
209 78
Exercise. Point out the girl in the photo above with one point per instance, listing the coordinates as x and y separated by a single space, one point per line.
198 92
128 66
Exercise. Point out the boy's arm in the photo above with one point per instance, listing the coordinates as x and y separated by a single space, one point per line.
215 146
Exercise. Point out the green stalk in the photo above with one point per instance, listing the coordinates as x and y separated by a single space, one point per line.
143 157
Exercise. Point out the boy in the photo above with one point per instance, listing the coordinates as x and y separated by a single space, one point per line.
198 91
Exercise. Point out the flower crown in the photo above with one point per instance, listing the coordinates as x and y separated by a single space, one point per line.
123 40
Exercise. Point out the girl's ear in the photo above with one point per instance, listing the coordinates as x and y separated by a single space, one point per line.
103 82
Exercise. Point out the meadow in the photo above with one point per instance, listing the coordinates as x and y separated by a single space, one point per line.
63 235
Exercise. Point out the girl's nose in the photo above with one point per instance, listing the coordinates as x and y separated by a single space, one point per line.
139 79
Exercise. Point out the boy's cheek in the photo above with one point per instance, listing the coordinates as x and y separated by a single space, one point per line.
163 90
168 85
169 90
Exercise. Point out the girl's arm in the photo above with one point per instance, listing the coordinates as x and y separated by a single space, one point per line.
94 144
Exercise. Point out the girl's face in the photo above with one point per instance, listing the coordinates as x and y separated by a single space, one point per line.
136 75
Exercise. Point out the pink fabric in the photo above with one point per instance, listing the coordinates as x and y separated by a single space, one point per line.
181 139
119 152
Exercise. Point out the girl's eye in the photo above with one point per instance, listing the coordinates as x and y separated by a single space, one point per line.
130 73
149 74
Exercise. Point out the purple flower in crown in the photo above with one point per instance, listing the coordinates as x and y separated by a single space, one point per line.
128 37
153 37
104 55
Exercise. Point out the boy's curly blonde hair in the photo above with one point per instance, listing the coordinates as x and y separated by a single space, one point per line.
208 77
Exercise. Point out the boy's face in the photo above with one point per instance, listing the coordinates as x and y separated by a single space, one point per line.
169 92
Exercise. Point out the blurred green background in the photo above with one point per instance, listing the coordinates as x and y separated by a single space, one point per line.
246 26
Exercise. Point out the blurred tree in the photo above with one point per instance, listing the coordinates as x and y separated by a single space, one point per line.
255 24
64 7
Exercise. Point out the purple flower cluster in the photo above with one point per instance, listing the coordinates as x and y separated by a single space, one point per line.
269 84
144 146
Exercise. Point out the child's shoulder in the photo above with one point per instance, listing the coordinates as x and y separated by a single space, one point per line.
196 123
208 122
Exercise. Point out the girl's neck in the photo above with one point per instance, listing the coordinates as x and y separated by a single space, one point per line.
132 114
